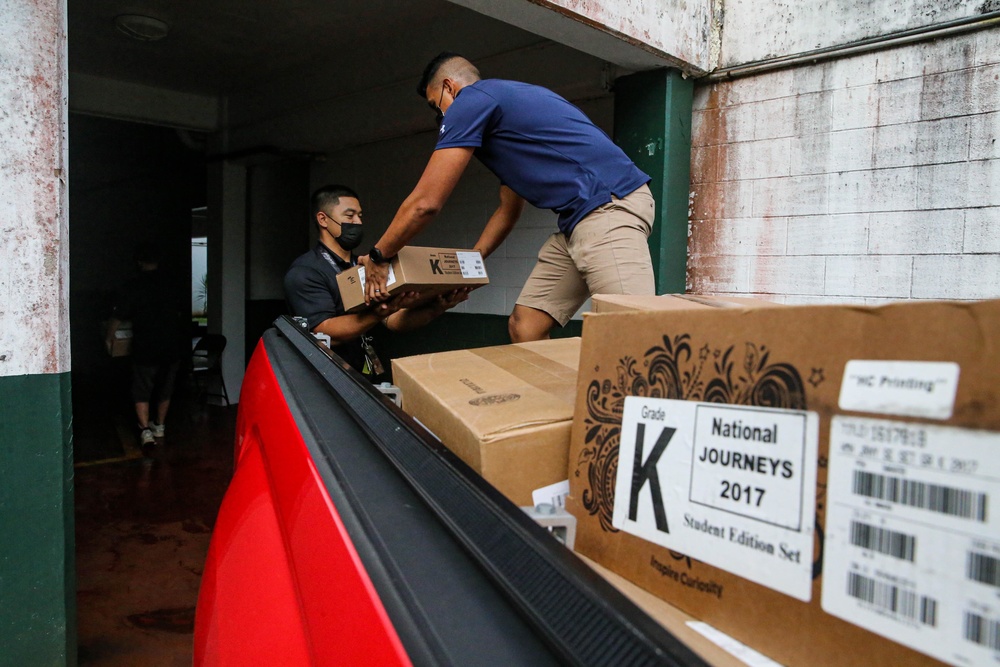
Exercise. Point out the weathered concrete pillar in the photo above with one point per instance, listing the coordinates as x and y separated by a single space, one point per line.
37 582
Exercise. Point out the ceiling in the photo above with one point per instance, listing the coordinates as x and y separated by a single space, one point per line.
313 74
218 47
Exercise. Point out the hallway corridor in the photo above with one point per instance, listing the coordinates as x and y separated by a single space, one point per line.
143 524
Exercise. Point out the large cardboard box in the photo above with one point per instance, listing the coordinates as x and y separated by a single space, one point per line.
612 303
822 483
506 410
429 271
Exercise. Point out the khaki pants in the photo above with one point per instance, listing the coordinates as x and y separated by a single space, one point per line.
605 254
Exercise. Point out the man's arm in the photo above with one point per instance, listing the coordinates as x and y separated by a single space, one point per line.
408 319
109 335
440 177
501 222
342 328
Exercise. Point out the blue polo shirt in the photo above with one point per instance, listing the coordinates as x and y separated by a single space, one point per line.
541 147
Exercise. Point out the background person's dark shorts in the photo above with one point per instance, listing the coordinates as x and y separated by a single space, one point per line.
146 377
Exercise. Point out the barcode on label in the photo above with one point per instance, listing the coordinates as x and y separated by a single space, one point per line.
982 631
884 541
943 499
982 568
893 599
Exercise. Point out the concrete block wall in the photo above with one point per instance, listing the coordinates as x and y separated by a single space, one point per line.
862 180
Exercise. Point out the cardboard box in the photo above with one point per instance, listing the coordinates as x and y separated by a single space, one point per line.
860 523
613 303
716 649
506 410
121 342
429 271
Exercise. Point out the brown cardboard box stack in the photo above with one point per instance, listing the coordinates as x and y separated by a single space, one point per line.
429 271
506 410
819 482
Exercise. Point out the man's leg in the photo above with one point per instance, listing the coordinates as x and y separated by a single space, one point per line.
527 324
553 292
142 389
609 246
165 379
142 414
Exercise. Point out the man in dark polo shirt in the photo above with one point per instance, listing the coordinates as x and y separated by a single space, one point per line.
547 152
312 292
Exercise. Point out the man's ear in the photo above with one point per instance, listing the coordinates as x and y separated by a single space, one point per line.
321 219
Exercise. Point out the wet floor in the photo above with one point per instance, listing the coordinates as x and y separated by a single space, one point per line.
143 522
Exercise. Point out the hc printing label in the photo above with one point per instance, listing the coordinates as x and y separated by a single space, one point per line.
905 388
471 264
728 485
912 547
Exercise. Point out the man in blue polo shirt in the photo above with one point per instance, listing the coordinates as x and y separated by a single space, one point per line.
546 152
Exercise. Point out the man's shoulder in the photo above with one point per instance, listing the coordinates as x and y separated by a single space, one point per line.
502 88
306 266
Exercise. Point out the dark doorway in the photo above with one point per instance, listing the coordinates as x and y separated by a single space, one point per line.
129 184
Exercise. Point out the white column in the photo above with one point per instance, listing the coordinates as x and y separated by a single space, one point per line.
34 241
227 213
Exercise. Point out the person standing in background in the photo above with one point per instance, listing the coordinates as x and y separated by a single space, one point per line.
148 303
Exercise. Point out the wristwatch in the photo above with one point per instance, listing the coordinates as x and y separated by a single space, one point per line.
376 256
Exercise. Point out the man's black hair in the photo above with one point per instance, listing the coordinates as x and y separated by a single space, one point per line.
432 68
329 195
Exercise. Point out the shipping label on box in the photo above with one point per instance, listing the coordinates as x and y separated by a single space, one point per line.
913 535
722 484
884 372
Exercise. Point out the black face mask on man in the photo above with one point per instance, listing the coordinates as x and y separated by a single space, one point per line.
350 236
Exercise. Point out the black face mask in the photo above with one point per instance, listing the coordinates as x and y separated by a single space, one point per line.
350 236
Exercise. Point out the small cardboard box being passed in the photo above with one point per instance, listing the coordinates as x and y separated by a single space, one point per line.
505 410
429 271
822 483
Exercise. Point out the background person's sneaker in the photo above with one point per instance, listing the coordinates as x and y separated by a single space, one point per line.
158 429
146 437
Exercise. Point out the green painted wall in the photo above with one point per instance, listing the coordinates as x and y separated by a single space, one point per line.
37 566
653 126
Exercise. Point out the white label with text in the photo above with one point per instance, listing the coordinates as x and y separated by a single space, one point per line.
388 281
912 548
553 494
732 486
906 388
471 264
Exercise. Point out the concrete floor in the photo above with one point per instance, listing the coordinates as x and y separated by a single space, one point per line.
143 523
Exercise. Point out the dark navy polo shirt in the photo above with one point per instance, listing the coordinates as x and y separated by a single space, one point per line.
541 147
312 292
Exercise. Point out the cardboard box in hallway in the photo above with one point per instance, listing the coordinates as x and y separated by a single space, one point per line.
821 483
429 271
505 410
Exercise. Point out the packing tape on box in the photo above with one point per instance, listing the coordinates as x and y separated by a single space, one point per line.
537 370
